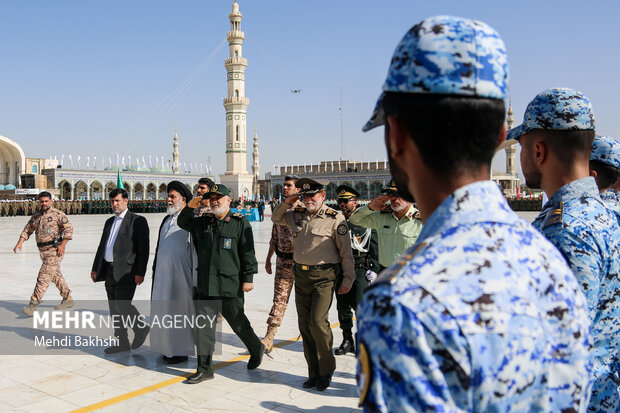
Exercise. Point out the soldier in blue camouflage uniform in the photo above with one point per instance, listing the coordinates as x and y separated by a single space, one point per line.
482 313
556 140
605 168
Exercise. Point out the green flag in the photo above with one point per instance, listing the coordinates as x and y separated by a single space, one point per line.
119 181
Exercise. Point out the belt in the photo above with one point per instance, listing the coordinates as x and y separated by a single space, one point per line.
284 255
54 242
303 267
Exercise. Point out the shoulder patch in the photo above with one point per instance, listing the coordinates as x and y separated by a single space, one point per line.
237 215
553 217
64 220
365 373
342 229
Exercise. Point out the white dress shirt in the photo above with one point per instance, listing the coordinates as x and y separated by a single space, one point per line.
109 246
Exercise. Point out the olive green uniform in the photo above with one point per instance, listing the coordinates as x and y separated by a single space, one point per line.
322 254
226 260
395 235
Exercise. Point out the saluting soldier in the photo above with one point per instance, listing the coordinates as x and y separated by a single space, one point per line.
53 231
398 224
226 267
322 254
365 250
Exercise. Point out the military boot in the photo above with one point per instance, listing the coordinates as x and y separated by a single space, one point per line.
268 339
66 302
29 310
347 346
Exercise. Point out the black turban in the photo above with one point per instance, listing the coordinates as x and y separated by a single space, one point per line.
181 188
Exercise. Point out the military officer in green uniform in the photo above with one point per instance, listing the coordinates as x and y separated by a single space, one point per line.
365 249
397 224
226 267
322 255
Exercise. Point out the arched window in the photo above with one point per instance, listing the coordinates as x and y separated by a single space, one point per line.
236 53
236 93
237 131
35 168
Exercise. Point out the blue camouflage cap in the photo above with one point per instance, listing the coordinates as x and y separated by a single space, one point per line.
556 109
606 150
447 55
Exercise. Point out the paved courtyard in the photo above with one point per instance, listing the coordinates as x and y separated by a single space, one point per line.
140 381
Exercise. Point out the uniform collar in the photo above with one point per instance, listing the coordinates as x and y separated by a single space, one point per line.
478 202
408 215
577 189
321 212
609 195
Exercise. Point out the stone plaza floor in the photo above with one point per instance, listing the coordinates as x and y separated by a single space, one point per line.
139 381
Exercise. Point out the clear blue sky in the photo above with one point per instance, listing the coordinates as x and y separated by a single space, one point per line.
99 77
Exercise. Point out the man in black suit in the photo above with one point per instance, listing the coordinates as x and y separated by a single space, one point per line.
121 262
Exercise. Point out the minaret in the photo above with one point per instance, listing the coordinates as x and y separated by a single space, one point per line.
256 164
236 177
511 151
175 152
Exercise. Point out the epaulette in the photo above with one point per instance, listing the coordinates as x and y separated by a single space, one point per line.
300 209
237 215
330 212
554 216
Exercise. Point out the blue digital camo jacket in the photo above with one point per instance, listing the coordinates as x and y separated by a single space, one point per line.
577 222
482 314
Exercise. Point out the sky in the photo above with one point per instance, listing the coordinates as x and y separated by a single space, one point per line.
97 78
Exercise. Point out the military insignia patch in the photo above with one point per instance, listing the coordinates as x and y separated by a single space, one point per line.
364 379
48 230
49 219
417 215
342 229
227 243
214 188
64 220
306 187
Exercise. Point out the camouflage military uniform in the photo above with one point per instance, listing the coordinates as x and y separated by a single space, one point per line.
49 225
282 240
576 221
610 199
471 319
607 150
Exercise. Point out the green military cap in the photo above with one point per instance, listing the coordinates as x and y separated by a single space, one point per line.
391 188
345 192
308 186
216 189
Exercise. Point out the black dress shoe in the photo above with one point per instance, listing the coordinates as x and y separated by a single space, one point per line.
256 359
310 383
122 346
139 337
347 346
198 377
323 382
174 359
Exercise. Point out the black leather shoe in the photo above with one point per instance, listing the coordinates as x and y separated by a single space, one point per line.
257 359
323 382
139 337
198 377
122 346
174 359
310 383
347 346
